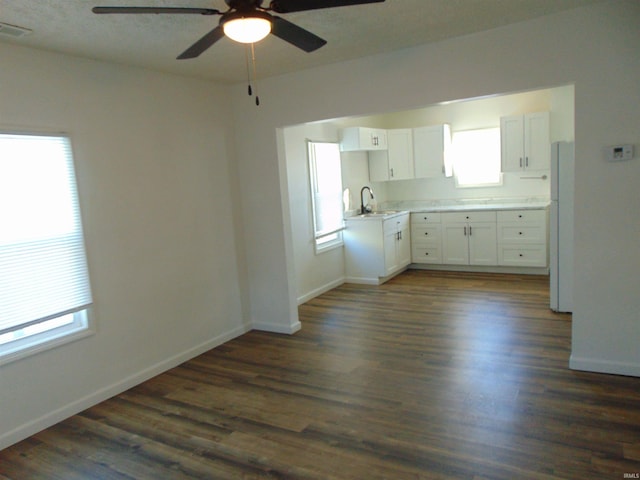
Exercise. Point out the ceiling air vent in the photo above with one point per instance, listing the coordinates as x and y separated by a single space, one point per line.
13 30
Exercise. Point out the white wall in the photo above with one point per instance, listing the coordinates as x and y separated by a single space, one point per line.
157 193
582 46
315 273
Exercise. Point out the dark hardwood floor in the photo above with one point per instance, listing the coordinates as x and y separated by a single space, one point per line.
433 375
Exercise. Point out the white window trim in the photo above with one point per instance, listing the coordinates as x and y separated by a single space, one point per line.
326 245
26 341
82 327
320 245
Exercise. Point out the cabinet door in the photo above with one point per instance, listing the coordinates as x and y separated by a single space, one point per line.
455 243
403 251
362 139
400 154
378 139
390 257
378 166
512 143
537 148
428 151
482 244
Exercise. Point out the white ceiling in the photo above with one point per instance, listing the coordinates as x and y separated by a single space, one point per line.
154 41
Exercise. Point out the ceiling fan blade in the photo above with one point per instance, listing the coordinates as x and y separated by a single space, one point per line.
201 11
295 35
288 6
201 45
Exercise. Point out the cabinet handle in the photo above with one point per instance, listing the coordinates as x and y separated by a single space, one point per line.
392 173
526 161
521 255
427 254
520 162
465 231
519 216
469 231
519 233
426 233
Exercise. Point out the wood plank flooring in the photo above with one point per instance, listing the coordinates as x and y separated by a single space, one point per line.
433 375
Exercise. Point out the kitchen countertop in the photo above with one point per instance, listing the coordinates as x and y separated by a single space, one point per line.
380 215
482 206
399 208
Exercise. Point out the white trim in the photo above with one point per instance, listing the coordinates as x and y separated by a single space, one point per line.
320 290
363 280
604 366
321 247
277 328
481 268
56 337
102 394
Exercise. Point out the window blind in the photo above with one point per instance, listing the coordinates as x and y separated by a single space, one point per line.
326 179
43 268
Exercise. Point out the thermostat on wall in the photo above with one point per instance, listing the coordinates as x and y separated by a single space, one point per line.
618 153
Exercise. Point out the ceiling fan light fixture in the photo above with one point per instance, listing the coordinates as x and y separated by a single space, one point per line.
247 28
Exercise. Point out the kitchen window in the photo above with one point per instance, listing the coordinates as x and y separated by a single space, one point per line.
475 155
44 281
325 175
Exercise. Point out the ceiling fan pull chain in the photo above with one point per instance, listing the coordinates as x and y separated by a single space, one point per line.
255 75
246 57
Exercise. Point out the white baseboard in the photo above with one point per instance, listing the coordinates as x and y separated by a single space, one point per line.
319 291
51 418
363 280
277 328
375 280
482 269
604 366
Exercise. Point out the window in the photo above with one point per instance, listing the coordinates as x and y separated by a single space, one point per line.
44 283
326 194
476 157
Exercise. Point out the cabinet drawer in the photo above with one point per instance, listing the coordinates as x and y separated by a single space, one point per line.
522 216
521 234
425 235
458 217
522 255
426 217
397 223
426 255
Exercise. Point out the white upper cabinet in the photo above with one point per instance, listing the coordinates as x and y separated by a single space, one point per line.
395 163
430 148
362 139
525 142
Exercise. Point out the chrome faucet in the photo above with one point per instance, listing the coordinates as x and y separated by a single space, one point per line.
366 209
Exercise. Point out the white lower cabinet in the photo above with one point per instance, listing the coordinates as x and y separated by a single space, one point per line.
376 248
469 238
426 238
522 238
397 244
503 238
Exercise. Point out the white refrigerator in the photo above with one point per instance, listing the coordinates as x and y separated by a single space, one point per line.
561 227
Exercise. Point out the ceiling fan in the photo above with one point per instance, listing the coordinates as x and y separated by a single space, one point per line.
247 21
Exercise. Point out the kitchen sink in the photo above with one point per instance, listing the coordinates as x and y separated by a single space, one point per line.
380 213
